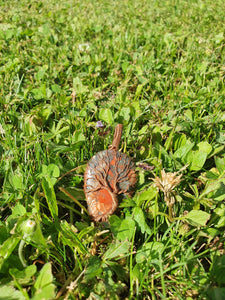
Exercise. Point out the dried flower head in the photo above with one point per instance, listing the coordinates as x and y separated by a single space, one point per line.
166 184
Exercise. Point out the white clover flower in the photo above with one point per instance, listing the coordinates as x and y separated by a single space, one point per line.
84 47
2 131
28 227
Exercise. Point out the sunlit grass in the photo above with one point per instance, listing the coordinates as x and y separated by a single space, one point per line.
157 67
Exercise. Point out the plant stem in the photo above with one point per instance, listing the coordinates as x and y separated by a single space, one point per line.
20 253
170 212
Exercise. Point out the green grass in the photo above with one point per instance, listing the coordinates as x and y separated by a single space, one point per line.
157 67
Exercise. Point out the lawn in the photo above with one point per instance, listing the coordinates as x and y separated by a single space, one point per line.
158 68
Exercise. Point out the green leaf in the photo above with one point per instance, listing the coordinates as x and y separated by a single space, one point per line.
10 293
17 181
18 210
118 269
219 38
44 287
169 141
75 192
220 216
56 88
216 293
214 189
69 237
105 115
183 150
41 71
25 276
125 113
86 231
147 195
64 149
143 130
7 248
137 272
205 147
218 270
196 160
153 209
3 232
51 170
79 137
128 202
126 230
50 196
38 238
161 153
189 114
115 223
93 268
140 219
138 90
79 87
117 249
149 251
39 93
179 141
197 217
220 163
216 149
